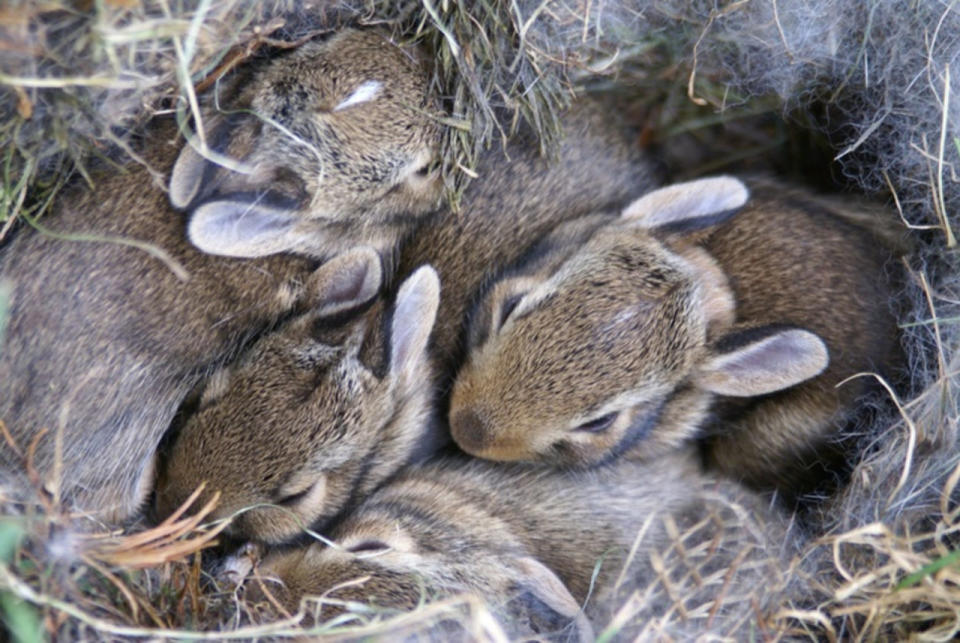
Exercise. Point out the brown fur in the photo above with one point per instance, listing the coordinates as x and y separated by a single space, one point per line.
518 198
588 337
821 264
324 172
314 416
621 308
258 432
104 341
528 541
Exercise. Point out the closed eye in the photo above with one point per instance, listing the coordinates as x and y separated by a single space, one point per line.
599 424
367 546
509 305
292 494
293 498
427 168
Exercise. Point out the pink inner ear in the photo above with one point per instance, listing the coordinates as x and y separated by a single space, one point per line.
687 202
351 284
240 228
788 351
186 177
771 364
347 280
413 317
750 363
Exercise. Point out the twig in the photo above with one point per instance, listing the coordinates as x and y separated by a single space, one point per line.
154 251
23 591
951 240
911 428
867 133
109 82
896 201
8 438
783 36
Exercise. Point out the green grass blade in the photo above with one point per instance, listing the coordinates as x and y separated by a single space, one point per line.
19 617
928 570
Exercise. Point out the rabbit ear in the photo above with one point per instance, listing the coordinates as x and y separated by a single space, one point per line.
194 173
413 316
187 177
350 279
243 227
762 360
547 600
685 207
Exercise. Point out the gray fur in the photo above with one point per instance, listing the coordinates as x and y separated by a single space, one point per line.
104 341
457 526
262 430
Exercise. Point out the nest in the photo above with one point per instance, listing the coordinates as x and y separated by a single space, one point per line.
857 96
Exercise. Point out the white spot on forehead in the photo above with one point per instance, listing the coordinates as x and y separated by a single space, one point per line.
365 91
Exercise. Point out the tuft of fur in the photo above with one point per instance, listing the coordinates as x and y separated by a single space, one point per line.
880 68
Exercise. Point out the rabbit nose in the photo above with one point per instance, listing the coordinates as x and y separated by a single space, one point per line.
470 430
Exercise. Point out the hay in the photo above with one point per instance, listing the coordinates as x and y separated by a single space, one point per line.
885 562
872 85
76 86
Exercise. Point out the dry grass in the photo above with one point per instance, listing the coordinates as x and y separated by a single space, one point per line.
78 84
78 81
152 582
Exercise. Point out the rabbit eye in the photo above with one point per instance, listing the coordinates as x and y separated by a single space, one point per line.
292 498
428 168
292 494
509 305
599 424
367 546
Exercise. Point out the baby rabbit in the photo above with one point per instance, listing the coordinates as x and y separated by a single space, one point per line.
529 542
621 344
518 197
316 414
104 341
336 144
